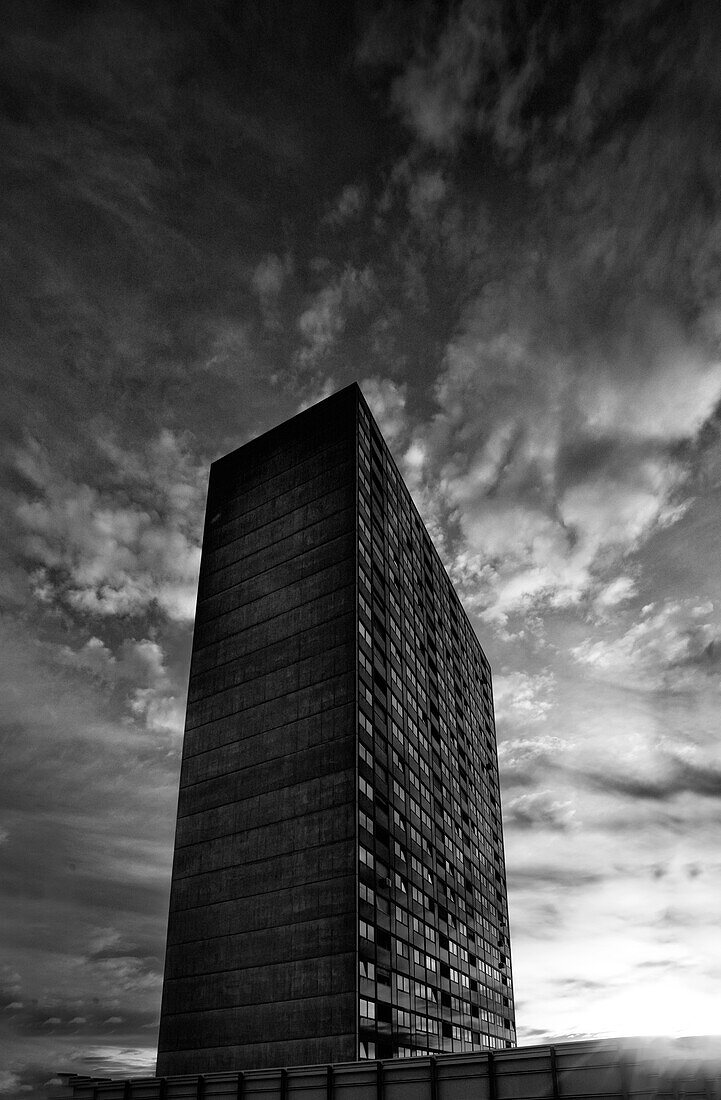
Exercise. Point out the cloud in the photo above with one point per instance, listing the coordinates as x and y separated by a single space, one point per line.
348 206
521 697
584 359
325 318
9 1081
426 191
269 278
610 596
522 761
110 551
435 92
551 876
127 966
663 777
549 502
387 402
539 810
136 675
674 646
672 390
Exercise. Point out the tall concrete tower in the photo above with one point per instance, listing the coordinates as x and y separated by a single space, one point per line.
338 884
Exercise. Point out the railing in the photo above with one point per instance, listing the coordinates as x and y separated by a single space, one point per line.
593 1070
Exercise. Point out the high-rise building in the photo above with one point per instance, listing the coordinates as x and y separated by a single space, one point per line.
338 885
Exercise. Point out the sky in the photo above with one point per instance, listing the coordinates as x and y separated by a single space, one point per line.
503 219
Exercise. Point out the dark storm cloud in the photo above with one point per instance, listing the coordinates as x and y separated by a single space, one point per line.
675 777
164 139
552 875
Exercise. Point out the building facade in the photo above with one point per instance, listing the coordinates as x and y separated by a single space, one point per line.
338 884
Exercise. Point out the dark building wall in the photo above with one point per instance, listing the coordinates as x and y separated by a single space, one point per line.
261 956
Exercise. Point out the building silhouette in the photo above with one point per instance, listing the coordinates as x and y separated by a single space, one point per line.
338 887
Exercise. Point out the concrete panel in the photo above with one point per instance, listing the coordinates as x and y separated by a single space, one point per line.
324 533
321 898
272 577
278 772
332 684
261 937
271 1021
290 490
257 745
294 869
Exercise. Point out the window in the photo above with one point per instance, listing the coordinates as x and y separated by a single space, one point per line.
367 894
367 930
364 786
366 857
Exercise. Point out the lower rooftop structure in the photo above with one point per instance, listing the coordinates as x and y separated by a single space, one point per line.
612 1069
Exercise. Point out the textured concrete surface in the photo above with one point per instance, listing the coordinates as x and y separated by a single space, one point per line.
261 958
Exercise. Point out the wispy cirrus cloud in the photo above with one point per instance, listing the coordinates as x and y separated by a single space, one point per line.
674 646
326 315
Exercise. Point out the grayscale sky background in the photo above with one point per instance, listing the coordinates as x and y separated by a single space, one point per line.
504 219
